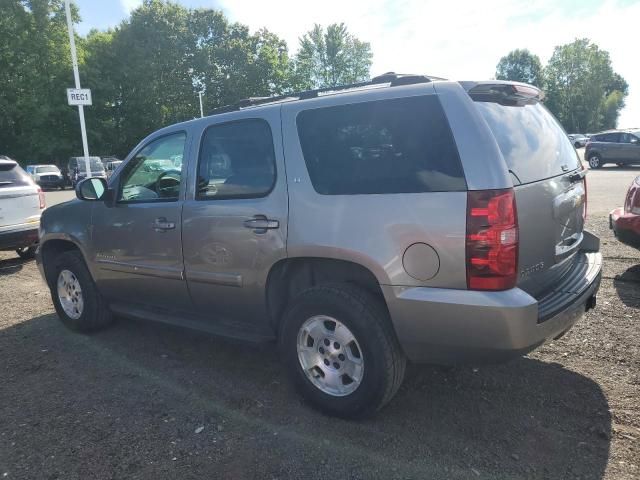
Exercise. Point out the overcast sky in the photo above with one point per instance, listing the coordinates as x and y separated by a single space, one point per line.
460 40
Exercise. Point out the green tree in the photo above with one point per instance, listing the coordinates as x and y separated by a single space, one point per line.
520 66
148 71
330 58
36 124
582 89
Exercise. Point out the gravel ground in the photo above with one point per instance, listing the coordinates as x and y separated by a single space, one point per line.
153 402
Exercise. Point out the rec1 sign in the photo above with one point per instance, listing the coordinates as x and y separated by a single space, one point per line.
79 96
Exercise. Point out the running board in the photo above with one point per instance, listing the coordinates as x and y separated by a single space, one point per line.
227 329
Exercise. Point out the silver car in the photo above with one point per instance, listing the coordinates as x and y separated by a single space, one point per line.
409 218
21 204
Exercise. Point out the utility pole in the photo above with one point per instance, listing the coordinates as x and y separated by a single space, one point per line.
200 97
76 76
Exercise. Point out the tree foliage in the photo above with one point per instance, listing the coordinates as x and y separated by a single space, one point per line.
331 57
35 70
582 89
144 74
520 66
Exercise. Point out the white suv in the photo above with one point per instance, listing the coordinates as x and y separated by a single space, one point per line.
21 204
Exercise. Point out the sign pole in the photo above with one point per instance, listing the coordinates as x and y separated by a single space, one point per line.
76 76
200 97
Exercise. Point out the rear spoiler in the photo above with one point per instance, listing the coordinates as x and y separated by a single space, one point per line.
504 93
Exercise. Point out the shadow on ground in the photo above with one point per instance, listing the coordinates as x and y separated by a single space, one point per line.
628 286
127 402
9 266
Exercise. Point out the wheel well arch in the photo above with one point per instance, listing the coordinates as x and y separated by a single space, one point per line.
50 250
290 276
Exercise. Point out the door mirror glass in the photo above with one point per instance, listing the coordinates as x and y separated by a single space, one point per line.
91 188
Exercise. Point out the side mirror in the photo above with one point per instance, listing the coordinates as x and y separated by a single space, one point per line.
635 141
91 189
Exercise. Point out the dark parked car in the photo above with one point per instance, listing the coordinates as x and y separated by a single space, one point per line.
77 170
619 147
625 221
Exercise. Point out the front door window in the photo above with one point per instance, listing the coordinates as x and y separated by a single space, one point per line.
152 175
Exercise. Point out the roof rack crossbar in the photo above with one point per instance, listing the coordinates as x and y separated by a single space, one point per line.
392 78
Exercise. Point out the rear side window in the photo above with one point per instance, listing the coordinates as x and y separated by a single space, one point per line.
387 146
11 175
237 160
531 140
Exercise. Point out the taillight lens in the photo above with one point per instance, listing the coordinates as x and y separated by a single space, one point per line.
492 240
41 198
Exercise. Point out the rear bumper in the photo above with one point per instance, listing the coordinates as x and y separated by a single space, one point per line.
462 326
625 226
18 238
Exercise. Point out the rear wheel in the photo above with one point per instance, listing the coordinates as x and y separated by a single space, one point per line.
27 253
595 161
577 145
341 351
75 296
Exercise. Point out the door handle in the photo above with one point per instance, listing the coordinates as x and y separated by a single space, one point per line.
161 225
260 224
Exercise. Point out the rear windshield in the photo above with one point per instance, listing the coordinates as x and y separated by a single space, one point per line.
11 175
387 146
531 140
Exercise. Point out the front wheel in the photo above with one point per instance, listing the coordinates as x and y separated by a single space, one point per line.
595 161
341 351
75 296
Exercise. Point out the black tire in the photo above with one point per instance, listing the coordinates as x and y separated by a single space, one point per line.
367 318
95 314
27 253
595 161
577 145
620 165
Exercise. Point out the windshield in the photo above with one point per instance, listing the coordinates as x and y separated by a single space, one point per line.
49 169
532 142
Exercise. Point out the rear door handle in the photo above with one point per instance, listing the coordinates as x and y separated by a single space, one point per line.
161 225
260 224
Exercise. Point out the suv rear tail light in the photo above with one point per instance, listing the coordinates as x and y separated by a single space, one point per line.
492 240
43 204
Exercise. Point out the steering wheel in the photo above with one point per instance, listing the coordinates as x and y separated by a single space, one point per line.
166 186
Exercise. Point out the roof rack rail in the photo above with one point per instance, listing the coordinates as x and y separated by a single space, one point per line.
392 78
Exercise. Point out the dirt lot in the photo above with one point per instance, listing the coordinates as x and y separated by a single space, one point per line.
128 402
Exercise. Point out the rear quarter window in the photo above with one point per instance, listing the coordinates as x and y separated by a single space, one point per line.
531 140
386 146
